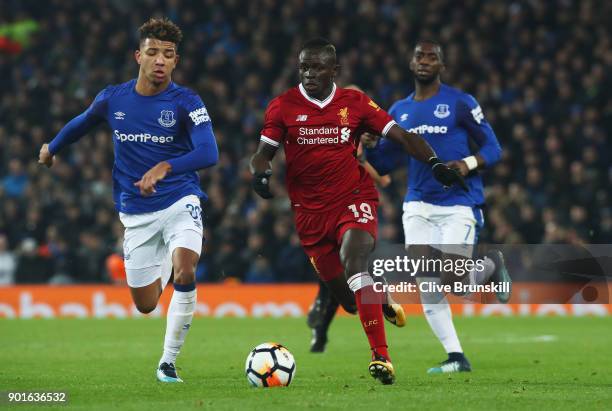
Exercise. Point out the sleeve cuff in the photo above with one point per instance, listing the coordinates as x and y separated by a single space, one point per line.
172 166
388 127
52 148
268 140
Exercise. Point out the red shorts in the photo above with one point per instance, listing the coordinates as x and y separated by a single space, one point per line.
321 233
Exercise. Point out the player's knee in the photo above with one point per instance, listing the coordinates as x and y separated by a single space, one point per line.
353 261
145 308
354 254
184 275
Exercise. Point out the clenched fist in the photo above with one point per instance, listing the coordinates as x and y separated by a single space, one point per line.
45 157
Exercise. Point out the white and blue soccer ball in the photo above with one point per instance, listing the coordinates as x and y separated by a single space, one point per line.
270 365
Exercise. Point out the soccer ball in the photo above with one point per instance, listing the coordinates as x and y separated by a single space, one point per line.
270 365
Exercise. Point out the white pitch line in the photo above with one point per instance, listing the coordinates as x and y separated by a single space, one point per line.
515 339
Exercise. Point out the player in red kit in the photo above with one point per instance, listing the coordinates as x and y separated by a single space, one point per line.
333 198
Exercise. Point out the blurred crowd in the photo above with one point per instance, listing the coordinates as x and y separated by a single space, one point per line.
540 70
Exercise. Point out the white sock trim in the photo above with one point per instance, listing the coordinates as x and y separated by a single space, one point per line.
360 280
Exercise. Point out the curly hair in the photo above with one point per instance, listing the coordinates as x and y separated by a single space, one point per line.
160 29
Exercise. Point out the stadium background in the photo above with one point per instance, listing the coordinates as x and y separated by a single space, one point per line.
540 70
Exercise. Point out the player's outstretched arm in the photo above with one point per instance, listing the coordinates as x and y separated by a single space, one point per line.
74 129
261 168
383 155
418 148
412 143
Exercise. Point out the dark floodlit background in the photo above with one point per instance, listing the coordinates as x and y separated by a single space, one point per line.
540 70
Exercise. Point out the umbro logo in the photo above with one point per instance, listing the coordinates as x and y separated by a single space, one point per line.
301 117
119 115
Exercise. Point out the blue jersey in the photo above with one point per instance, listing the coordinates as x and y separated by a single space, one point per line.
171 126
448 121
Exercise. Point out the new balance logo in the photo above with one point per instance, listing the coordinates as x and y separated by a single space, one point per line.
119 115
301 117
404 117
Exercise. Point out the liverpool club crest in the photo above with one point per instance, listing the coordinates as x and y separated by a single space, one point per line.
343 114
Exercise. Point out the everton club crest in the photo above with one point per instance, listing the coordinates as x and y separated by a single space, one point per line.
166 118
442 111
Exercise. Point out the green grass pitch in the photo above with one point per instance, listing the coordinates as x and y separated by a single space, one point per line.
519 363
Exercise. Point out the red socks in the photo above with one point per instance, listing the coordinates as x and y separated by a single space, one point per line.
370 311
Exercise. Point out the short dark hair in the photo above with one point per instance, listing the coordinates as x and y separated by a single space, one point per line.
322 44
433 43
160 29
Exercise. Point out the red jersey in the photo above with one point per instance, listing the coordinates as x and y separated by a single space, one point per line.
320 139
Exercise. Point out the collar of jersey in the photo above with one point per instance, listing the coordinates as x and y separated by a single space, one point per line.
411 96
161 93
318 103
